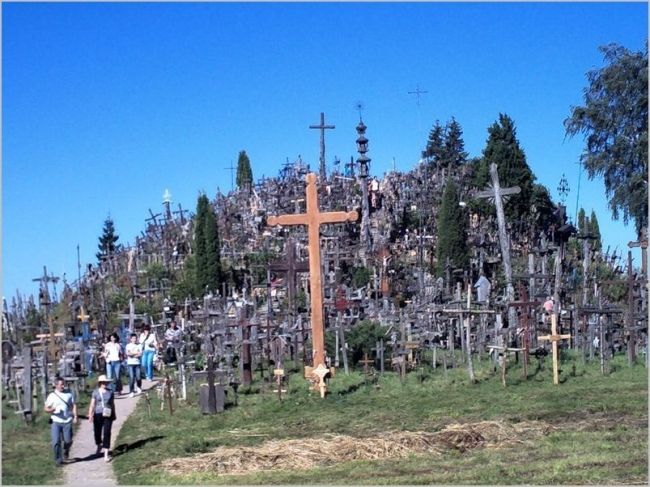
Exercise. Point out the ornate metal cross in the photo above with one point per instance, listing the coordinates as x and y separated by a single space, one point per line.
313 218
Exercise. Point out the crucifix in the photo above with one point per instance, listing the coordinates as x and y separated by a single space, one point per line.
322 127
313 218
554 337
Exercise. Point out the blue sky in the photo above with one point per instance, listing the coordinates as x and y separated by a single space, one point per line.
107 105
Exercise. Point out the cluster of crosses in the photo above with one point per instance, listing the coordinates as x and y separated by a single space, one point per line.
292 245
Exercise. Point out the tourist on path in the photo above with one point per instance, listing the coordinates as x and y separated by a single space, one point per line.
149 346
63 409
172 339
102 414
133 355
113 354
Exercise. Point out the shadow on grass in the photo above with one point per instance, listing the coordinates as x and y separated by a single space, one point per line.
125 447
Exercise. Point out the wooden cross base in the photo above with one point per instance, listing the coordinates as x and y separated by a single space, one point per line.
316 376
505 351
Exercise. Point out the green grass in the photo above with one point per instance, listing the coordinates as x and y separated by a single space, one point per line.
27 457
600 433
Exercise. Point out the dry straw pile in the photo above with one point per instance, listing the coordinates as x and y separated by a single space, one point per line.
313 452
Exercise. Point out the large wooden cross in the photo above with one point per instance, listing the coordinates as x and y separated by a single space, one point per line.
322 127
313 218
497 193
554 338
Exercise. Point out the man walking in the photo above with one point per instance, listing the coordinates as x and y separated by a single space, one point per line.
63 409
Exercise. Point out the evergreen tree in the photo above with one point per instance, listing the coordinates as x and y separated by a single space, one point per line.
213 252
435 145
594 229
108 240
582 228
200 251
452 231
503 149
207 248
454 148
614 121
244 171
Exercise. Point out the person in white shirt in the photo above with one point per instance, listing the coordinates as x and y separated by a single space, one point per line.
133 355
63 409
113 355
149 347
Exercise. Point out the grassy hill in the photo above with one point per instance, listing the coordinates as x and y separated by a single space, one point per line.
591 429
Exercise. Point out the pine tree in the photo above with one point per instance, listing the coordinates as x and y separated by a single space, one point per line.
244 172
454 148
108 240
435 145
594 229
503 149
452 232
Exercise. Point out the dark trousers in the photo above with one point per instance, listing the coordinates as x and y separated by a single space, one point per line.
102 427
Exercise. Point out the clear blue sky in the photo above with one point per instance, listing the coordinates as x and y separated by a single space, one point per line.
106 105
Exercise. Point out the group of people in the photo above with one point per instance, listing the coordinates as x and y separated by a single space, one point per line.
138 353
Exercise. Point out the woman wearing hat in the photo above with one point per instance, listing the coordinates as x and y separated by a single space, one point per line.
102 414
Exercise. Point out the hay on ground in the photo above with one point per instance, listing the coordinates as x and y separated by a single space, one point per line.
308 453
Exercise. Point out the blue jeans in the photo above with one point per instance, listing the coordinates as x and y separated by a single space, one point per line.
113 373
61 431
89 362
147 362
134 376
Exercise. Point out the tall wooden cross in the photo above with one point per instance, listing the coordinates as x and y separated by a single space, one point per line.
231 168
496 193
322 127
313 218
554 338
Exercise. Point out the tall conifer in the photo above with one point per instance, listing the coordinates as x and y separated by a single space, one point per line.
452 231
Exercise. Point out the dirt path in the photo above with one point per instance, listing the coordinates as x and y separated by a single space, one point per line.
87 468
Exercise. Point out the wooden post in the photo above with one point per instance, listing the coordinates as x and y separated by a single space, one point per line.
313 218
554 338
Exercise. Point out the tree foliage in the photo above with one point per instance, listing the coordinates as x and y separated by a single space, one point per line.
503 149
452 231
207 248
594 229
445 146
244 171
108 240
614 121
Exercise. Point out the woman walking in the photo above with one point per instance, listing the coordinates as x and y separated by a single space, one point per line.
113 354
102 414
149 346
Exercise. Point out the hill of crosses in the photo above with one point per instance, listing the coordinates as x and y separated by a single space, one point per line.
455 254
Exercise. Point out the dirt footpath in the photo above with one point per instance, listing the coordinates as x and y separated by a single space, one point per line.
87 468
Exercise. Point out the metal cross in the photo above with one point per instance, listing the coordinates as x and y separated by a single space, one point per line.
322 127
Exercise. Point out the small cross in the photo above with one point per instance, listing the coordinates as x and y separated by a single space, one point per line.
366 361
417 93
82 316
554 338
232 172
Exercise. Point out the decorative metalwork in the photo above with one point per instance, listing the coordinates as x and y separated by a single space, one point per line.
563 189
